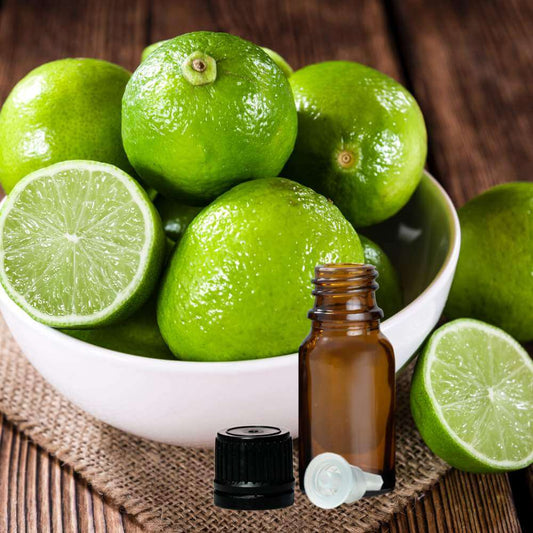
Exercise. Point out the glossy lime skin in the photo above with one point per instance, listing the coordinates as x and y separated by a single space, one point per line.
150 48
175 216
239 283
349 108
64 110
494 277
193 142
137 335
280 62
389 294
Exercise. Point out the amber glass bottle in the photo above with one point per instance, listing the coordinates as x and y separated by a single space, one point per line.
347 375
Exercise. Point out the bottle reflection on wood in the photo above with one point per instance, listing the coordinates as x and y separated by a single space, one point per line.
347 375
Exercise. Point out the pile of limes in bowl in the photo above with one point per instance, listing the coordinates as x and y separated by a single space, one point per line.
179 211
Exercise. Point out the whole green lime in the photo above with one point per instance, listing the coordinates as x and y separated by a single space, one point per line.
361 139
494 277
137 335
175 216
150 48
389 294
280 62
63 110
204 112
239 283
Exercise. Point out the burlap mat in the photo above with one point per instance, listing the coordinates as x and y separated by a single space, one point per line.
167 488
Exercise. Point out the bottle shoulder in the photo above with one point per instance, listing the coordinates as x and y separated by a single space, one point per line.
328 342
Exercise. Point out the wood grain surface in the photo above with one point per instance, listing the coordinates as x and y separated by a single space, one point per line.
469 64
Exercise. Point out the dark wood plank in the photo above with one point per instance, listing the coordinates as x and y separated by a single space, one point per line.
54 495
36 31
84 507
68 500
462 503
470 65
522 485
43 489
30 482
21 493
39 494
6 438
303 31
12 489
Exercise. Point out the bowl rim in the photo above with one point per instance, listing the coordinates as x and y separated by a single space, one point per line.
74 344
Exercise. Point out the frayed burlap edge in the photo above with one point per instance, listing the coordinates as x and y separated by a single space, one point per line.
168 488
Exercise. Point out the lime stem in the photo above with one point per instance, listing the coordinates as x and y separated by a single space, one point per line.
199 69
199 65
346 159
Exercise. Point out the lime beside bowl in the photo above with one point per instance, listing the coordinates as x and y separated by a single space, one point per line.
185 403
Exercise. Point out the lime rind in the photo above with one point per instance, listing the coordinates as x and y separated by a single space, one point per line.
129 295
484 423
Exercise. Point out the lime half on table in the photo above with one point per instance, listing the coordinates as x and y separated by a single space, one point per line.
81 245
472 398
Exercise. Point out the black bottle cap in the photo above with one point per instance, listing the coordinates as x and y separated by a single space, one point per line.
253 468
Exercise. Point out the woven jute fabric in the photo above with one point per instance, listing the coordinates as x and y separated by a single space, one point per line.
168 488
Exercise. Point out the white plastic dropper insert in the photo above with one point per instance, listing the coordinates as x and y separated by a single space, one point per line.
330 480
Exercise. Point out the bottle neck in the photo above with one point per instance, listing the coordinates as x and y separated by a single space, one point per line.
345 297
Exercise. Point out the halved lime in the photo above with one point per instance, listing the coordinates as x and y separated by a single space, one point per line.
81 244
472 398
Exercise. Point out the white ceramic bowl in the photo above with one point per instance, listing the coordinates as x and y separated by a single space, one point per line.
185 403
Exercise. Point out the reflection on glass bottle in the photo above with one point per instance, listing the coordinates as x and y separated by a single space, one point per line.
347 376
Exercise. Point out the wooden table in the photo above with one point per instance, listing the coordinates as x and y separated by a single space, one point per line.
469 64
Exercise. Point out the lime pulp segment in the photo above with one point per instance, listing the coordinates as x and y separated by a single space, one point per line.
76 243
480 381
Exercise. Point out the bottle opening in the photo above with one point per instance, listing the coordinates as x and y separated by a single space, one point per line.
344 277
345 292
339 270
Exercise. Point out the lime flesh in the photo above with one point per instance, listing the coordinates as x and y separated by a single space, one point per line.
472 398
81 244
